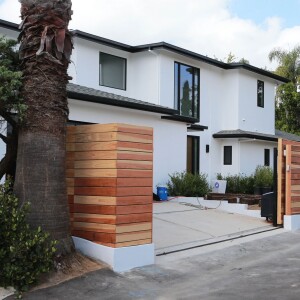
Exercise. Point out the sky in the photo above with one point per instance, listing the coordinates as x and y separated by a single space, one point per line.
248 29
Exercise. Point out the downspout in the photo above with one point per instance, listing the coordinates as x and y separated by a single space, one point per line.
158 73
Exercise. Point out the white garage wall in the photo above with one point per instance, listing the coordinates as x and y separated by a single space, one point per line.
169 137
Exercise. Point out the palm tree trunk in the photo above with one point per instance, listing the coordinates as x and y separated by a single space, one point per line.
40 174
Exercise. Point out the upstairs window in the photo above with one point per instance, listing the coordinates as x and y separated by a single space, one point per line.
112 71
260 93
227 155
187 93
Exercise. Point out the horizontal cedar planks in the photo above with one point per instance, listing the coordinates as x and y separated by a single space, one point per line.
112 228
114 127
134 191
112 219
95 173
105 200
109 154
95 182
134 182
111 191
95 200
112 170
112 136
113 164
131 200
95 191
114 145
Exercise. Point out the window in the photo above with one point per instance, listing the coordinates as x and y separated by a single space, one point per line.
267 157
193 154
187 94
260 93
227 155
112 71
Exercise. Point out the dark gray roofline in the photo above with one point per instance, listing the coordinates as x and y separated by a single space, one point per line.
178 50
256 135
78 92
9 25
165 46
245 134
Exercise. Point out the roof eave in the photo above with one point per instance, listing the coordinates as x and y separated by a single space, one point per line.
121 103
244 135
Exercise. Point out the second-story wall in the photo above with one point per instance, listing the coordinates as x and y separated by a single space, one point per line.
142 69
251 117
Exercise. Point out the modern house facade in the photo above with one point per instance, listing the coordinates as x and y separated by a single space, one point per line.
208 116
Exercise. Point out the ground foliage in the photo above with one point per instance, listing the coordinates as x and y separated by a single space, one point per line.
25 253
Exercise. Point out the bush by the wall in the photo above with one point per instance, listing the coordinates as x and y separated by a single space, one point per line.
25 253
238 184
263 176
188 184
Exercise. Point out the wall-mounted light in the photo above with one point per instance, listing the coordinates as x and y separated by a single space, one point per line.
207 148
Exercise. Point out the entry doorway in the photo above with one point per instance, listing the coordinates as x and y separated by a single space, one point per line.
193 154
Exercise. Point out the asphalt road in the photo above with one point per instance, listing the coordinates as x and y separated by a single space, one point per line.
263 268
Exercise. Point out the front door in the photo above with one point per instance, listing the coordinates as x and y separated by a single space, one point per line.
193 154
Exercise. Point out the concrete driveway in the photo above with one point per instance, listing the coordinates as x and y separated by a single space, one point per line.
178 226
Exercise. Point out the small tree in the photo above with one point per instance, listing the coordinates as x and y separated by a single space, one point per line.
11 105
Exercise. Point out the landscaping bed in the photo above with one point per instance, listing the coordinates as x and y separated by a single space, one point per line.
235 198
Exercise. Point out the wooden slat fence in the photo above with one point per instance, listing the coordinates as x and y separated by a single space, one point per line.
288 197
110 177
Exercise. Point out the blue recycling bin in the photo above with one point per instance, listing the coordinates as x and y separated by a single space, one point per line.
162 193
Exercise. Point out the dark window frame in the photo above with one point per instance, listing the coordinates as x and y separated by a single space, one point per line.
125 71
195 154
177 85
267 155
227 156
260 100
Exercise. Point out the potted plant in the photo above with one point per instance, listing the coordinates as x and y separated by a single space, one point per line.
263 180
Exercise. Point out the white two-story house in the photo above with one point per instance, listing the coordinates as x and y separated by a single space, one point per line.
208 116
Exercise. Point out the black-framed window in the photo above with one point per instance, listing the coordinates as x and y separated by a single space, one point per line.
193 154
260 93
267 157
187 90
227 155
112 71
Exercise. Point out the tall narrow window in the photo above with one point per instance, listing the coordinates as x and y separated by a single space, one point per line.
260 93
193 154
187 94
227 155
112 71
267 157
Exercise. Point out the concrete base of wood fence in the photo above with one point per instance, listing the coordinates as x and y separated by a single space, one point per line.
119 259
291 222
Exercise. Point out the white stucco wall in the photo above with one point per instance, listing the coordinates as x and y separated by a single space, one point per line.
169 137
142 70
252 154
250 116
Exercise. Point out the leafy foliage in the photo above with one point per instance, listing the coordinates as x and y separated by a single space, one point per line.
263 176
238 184
287 109
188 184
10 78
25 253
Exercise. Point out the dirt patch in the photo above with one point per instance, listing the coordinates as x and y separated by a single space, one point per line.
70 267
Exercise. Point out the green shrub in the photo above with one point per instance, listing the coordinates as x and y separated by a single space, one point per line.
25 253
263 176
188 184
238 184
